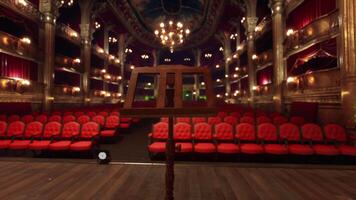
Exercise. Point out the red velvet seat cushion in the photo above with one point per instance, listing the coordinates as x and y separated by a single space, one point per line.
348 150
185 147
61 145
81 146
204 147
125 119
326 150
39 145
300 149
4 144
157 147
276 149
251 148
19 144
228 148
107 133
124 125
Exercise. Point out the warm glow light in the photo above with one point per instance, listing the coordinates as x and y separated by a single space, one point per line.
254 57
218 95
132 67
119 77
291 79
290 32
76 61
217 66
26 40
237 68
22 2
254 87
202 83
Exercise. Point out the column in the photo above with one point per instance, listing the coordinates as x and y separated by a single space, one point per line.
279 74
347 60
106 50
196 77
238 42
86 37
49 9
155 54
250 34
227 58
122 62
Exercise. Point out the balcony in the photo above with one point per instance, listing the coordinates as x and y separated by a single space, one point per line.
67 62
264 59
323 28
22 47
23 7
68 33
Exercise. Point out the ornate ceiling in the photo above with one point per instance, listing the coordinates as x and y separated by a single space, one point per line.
141 18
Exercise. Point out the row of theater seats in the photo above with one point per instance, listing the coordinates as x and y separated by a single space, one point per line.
234 120
50 136
267 138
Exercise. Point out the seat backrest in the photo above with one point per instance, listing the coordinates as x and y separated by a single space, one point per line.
160 130
70 129
247 119
183 120
335 132
214 120
3 118
52 129
112 121
182 131
41 118
248 114
103 113
263 119
231 120
275 114
279 120
202 131
90 129
3 127
16 129
222 114
299 121
83 119
56 113
78 113
196 120
91 113
261 114
34 129
236 114
312 132
267 132
27 119
245 132
67 113
55 118
98 119
289 132
13 118
224 131
115 113
164 119
68 118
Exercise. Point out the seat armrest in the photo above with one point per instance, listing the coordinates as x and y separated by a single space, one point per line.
150 135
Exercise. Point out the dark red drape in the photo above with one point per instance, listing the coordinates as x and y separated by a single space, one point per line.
265 76
15 67
244 83
308 11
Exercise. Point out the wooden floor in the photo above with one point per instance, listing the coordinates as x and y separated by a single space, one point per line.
42 180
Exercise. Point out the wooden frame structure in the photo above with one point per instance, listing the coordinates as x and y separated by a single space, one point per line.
172 111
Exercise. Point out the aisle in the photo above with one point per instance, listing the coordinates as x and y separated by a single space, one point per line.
131 146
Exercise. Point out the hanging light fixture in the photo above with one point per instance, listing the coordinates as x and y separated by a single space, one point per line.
171 34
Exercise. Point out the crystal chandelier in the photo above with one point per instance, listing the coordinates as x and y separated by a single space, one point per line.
171 34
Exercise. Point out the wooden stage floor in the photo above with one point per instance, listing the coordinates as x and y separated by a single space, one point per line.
60 180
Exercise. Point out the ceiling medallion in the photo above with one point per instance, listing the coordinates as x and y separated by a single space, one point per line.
171 34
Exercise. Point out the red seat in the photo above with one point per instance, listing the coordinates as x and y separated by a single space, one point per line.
67 113
196 120
34 130
231 120
214 120
247 119
183 120
203 138
51 130
27 119
245 132
236 114
159 133
112 122
83 119
16 130
60 145
3 118
98 119
41 118
56 113
89 130
347 150
225 138
222 114
300 149
183 135
267 132
289 132
103 113
312 133
263 119
299 121
91 114
13 118
279 120
249 114
3 127
70 130
164 119
4 144
78 114
68 118
81 146
115 113
55 118
336 134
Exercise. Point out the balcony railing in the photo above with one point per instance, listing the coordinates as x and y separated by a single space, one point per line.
265 58
68 33
324 27
67 62
66 90
20 86
23 7
18 46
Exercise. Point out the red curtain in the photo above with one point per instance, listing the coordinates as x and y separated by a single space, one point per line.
308 11
265 76
15 67
244 83
327 48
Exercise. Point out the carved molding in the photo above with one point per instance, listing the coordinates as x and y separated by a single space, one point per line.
29 11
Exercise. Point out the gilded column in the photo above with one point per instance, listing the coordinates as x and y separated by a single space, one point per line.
227 58
106 50
122 62
279 74
250 34
155 54
196 77
347 60
49 9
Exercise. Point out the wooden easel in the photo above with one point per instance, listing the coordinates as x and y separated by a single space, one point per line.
162 109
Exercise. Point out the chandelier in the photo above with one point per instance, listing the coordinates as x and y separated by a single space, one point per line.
171 34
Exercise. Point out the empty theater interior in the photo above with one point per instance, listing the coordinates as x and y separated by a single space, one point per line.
178 99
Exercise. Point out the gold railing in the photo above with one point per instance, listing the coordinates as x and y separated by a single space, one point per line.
17 46
68 33
324 27
264 58
68 62
20 86
67 90
23 7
